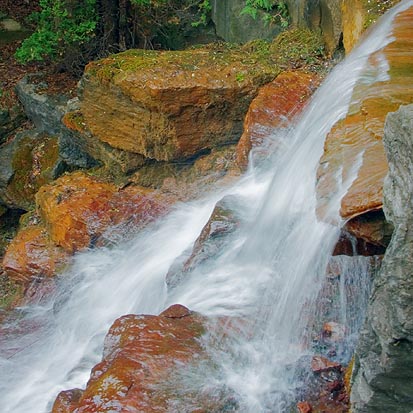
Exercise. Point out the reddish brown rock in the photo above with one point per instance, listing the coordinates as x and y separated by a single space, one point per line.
357 139
333 331
304 407
79 209
32 254
321 364
141 354
171 105
274 107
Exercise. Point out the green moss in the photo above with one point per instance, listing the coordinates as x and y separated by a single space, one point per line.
10 292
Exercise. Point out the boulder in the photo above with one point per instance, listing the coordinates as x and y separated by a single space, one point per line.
383 370
171 106
80 211
141 355
32 255
10 120
356 140
275 107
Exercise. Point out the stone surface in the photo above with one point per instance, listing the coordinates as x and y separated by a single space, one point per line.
359 15
44 110
141 355
29 161
274 107
80 211
321 364
233 26
32 255
10 120
357 139
210 243
304 407
171 105
383 371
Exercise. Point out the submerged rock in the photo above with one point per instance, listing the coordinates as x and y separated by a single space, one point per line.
383 371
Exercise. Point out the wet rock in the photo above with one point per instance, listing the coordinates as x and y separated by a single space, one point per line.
360 14
321 364
304 407
382 377
32 255
141 355
29 161
171 105
80 211
355 142
333 331
223 222
274 108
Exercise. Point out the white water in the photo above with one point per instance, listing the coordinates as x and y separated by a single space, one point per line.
269 273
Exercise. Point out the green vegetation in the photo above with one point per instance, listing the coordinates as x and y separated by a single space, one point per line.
375 9
73 32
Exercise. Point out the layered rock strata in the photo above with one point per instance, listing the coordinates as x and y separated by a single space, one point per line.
383 373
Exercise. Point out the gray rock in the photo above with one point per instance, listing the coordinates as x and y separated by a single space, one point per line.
10 120
45 111
383 374
233 27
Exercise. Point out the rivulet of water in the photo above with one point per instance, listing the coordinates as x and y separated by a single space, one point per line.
269 273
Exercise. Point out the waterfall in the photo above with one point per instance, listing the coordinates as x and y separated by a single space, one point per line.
269 273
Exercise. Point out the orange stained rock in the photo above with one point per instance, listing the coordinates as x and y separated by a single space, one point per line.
274 107
141 354
33 254
357 139
79 209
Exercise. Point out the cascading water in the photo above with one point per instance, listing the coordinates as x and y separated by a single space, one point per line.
269 274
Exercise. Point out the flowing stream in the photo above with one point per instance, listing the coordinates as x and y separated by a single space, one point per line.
269 272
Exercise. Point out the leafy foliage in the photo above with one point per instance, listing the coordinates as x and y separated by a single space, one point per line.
275 12
61 24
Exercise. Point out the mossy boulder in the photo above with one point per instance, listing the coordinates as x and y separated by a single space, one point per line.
171 106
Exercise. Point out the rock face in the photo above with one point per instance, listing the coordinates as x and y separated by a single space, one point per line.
356 141
32 255
171 105
141 354
383 373
232 26
274 107
80 211
29 161
360 14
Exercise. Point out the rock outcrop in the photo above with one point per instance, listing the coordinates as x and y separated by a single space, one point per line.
356 140
141 356
383 372
171 105
274 108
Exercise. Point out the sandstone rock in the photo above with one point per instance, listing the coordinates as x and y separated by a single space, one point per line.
79 211
358 15
357 139
141 354
30 160
382 377
32 255
171 105
274 107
